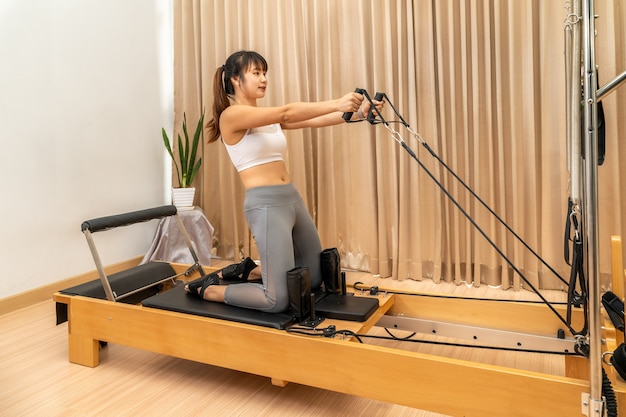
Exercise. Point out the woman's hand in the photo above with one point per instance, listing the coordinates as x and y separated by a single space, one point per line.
350 102
365 108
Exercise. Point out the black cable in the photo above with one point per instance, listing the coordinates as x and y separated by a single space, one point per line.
609 395
399 338
487 238
473 193
473 222
500 220
323 332
495 300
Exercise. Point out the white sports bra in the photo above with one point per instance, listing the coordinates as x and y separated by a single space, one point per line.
260 145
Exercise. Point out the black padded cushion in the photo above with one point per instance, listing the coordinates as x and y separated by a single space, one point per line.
346 307
177 299
125 281
125 219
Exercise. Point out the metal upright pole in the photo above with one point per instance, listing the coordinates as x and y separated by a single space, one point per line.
590 209
573 74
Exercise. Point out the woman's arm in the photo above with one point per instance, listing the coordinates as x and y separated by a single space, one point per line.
238 118
330 119
335 118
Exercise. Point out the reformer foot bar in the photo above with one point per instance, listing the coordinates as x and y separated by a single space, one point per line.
331 357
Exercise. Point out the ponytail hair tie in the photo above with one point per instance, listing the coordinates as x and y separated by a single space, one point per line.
224 79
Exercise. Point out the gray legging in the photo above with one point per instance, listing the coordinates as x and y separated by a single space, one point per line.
286 237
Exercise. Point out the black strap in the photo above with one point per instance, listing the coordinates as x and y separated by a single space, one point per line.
601 132
614 308
568 230
577 276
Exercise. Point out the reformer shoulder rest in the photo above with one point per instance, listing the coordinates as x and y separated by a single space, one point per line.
134 284
139 278
126 219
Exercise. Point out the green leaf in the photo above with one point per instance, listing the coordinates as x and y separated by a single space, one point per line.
166 141
182 159
187 152
188 162
194 148
195 170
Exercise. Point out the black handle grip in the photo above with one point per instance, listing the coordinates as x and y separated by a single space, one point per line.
370 114
348 115
125 219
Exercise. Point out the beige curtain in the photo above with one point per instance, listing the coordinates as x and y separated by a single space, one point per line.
481 81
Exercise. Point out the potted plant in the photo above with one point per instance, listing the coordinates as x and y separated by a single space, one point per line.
186 164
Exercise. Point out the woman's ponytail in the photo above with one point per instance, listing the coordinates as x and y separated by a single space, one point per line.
220 102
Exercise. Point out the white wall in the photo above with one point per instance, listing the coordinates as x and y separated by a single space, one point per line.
85 87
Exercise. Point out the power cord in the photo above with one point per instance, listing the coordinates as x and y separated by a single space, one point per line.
329 331
373 290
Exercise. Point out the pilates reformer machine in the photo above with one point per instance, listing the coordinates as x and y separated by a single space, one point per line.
146 307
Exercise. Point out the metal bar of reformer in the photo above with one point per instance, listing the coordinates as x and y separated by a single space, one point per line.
610 86
567 35
573 109
108 291
183 231
590 208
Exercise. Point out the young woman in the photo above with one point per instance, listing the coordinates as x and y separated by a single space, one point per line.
283 229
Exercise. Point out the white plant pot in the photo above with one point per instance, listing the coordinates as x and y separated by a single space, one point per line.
182 198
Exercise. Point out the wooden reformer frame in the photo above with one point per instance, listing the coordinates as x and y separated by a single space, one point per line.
423 381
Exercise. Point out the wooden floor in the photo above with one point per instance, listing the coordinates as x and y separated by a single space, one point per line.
36 378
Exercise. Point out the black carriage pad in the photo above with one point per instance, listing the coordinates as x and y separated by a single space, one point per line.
178 300
346 307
